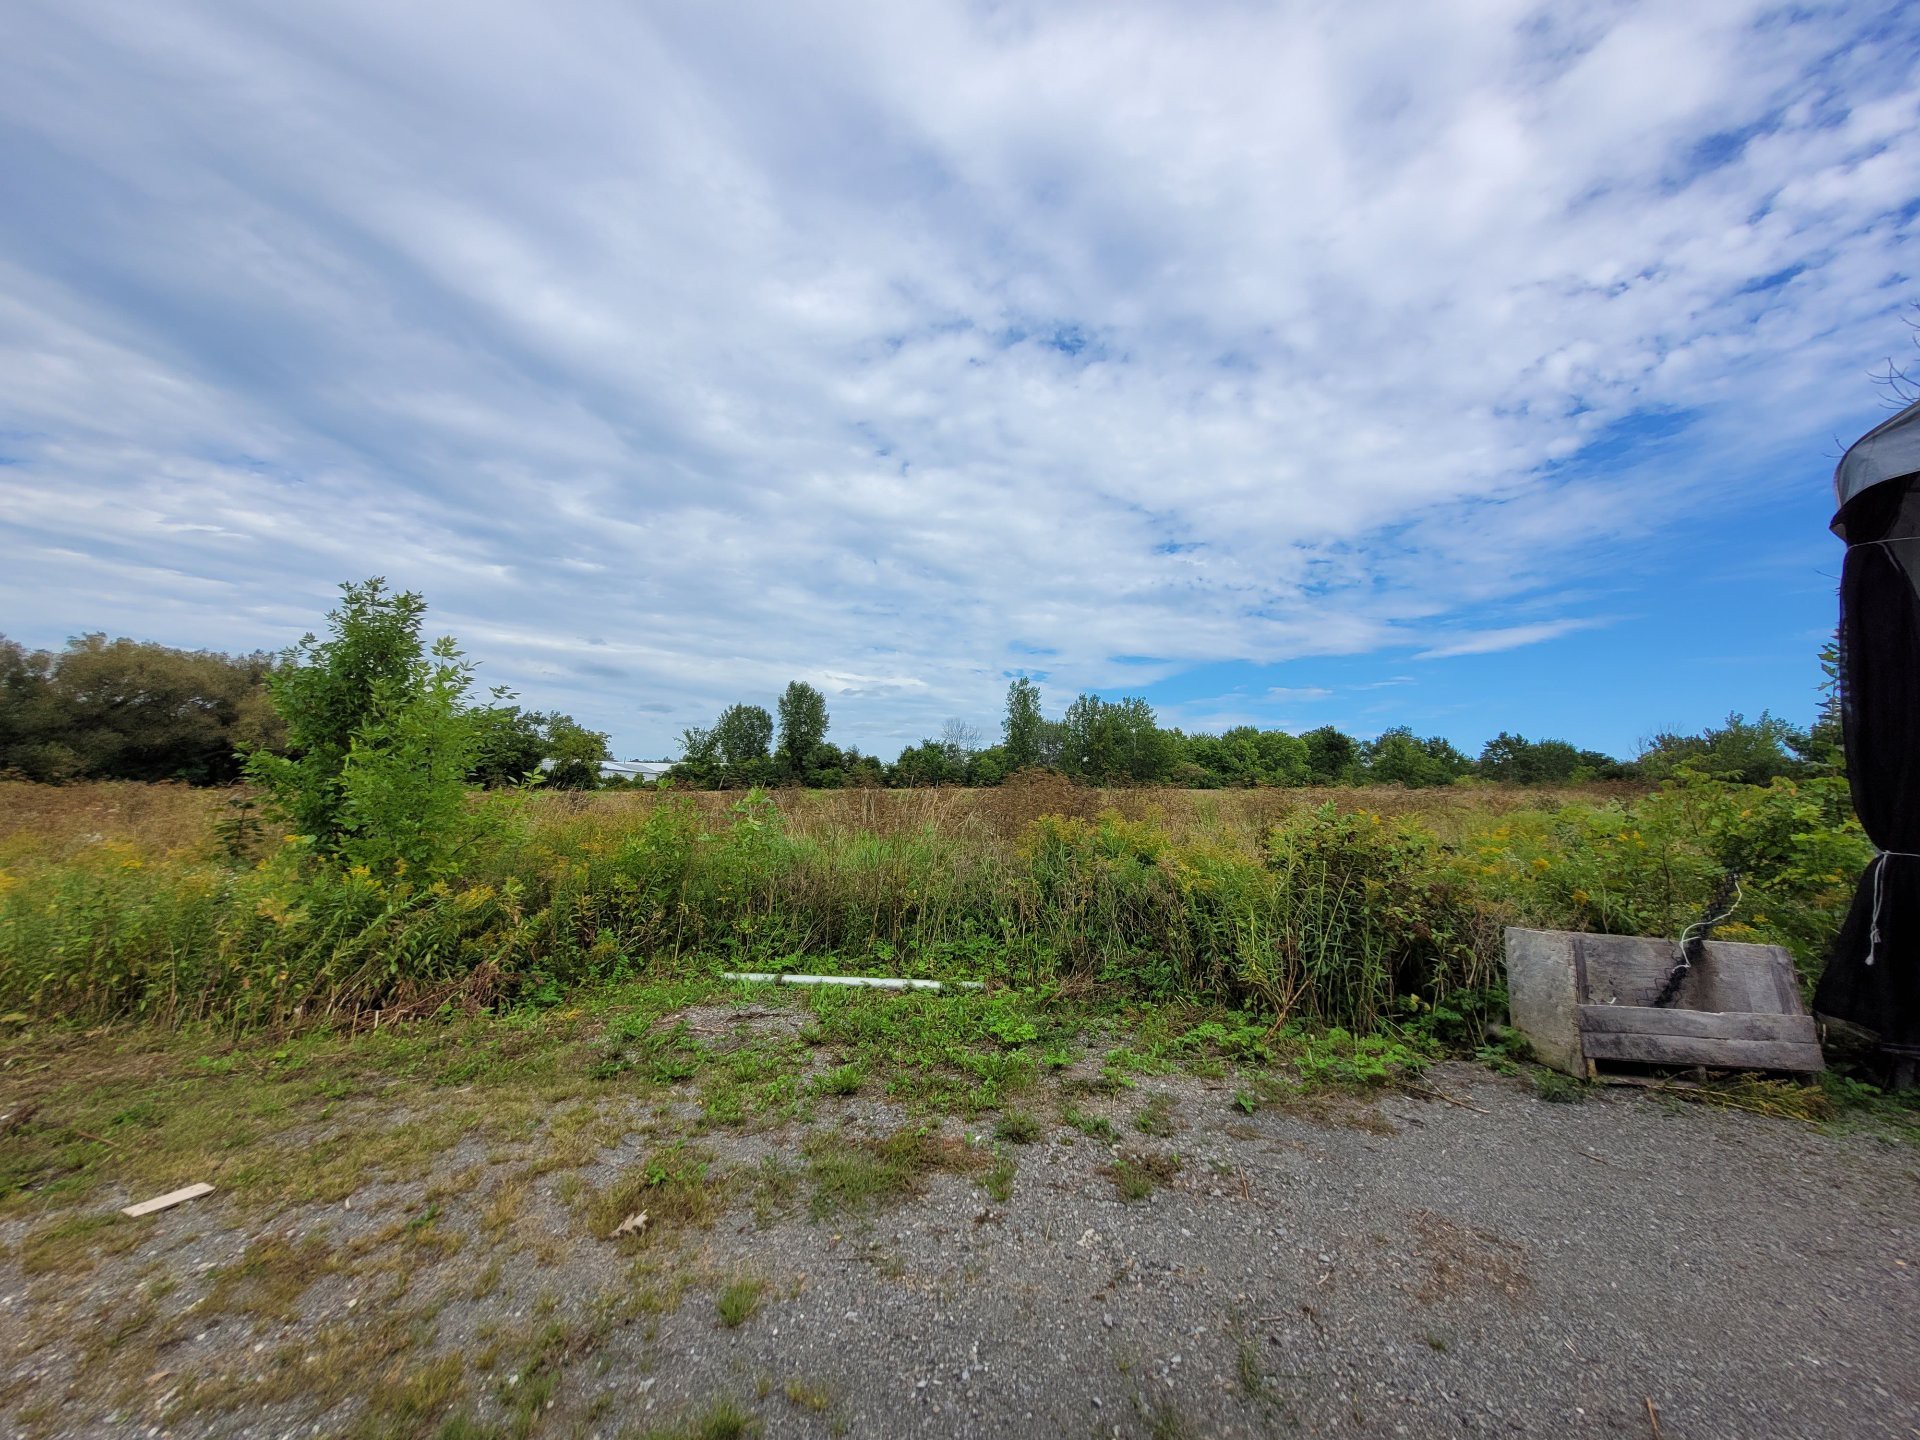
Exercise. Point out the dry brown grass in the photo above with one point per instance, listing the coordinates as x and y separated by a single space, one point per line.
1003 812
58 822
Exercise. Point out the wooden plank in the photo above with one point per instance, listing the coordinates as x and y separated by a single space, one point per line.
1786 981
1696 1024
1694 1050
1541 995
1633 970
168 1200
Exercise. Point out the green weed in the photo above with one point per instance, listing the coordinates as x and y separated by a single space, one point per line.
739 1301
1136 1174
1094 1127
858 1175
1019 1127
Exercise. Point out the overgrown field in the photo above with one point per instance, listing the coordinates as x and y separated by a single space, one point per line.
1348 908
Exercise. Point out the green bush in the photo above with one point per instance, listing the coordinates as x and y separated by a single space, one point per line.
380 739
1650 866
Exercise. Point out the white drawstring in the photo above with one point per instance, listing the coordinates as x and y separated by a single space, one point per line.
1705 925
1879 888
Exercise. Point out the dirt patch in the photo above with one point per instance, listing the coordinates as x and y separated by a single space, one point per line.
724 1028
1463 1261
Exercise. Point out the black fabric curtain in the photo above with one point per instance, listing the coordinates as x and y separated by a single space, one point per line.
1872 977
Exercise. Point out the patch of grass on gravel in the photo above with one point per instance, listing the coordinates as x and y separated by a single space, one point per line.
841 1080
1558 1089
998 1181
268 1281
1094 1127
859 1174
960 1053
808 1395
672 1187
279 1120
755 1085
724 1419
1138 1173
1019 1127
77 1243
1155 1117
739 1301
1163 1421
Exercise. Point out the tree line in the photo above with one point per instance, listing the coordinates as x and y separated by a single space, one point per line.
1120 742
128 710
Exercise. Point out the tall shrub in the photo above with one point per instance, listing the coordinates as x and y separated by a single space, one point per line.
380 738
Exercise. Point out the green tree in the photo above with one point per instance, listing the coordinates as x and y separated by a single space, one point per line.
128 710
988 766
1022 734
699 762
929 763
803 726
1332 756
1249 756
379 735
1447 756
573 753
1397 758
513 746
1520 761
1825 744
744 733
1108 741
32 733
1751 752
508 745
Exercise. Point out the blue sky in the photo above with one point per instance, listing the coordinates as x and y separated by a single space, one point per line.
1466 367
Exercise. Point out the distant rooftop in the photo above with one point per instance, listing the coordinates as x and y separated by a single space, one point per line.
634 769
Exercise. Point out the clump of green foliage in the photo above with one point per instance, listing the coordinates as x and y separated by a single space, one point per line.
379 736
1647 867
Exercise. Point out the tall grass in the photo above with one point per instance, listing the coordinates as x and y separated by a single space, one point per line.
1339 911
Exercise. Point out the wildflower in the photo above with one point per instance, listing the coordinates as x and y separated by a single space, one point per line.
1540 862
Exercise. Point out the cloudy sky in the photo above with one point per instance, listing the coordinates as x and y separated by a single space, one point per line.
1470 366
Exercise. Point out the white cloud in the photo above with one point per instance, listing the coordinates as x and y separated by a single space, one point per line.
1510 637
877 343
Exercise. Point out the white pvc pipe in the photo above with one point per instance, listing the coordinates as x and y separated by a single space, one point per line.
869 982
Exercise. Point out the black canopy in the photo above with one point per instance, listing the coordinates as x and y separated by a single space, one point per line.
1873 975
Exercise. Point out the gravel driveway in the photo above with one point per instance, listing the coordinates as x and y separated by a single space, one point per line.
1409 1267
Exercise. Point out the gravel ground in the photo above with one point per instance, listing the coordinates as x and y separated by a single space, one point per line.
1494 1266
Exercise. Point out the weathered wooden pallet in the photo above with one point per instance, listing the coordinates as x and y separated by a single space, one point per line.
1587 1000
